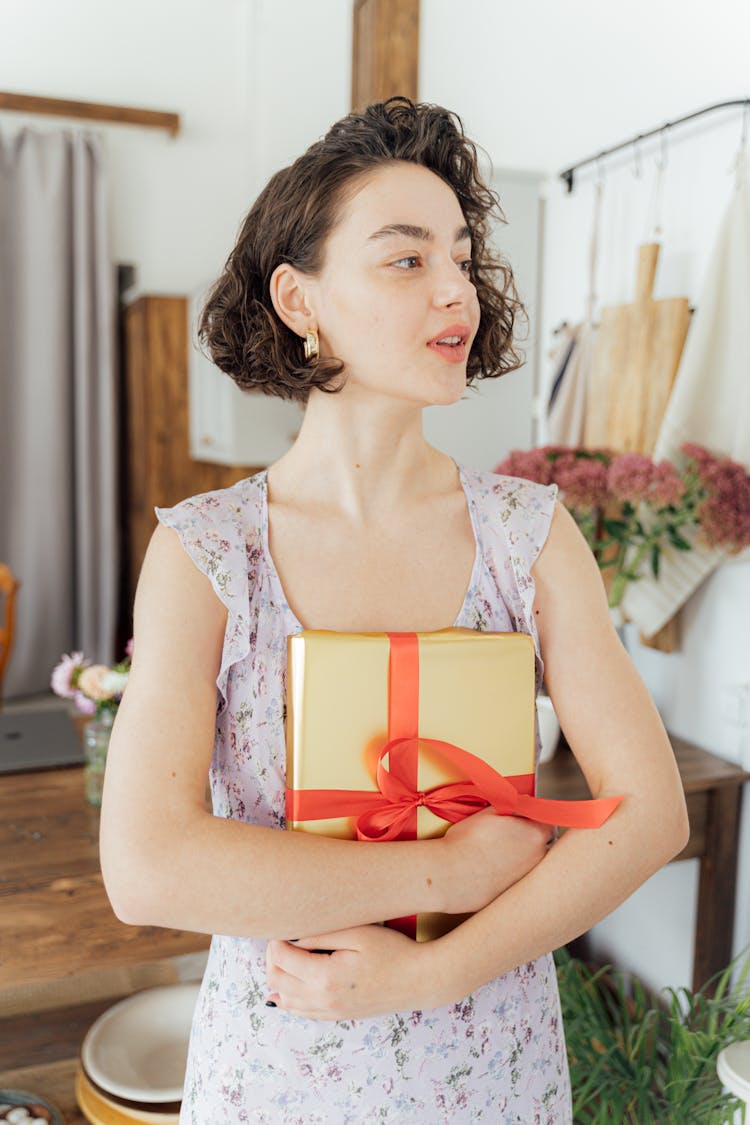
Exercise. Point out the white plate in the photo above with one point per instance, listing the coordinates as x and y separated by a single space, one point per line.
138 1048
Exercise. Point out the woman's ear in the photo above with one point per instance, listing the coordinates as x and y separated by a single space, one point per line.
290 299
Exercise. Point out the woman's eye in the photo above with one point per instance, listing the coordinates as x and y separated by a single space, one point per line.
466 266
411 259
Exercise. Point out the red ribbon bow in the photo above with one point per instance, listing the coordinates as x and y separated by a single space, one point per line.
390 812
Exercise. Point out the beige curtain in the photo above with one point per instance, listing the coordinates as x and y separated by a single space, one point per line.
57 432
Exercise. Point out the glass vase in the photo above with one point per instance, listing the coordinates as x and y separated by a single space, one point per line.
96 744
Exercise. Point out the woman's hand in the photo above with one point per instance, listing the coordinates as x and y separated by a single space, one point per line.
371 971
485 854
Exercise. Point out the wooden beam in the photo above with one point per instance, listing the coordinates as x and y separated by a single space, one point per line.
385 50
91 111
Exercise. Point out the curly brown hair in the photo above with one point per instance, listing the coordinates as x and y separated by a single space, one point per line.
297 210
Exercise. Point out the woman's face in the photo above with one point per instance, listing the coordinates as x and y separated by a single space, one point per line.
395 281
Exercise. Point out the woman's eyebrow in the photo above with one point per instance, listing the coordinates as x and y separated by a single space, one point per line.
411 231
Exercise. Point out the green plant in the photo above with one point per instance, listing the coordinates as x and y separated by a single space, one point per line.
640 1058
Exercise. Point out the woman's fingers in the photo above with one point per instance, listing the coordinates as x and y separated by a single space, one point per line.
290 958
296 977
370 970
341 939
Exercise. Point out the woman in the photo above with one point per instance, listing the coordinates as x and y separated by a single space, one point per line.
372 249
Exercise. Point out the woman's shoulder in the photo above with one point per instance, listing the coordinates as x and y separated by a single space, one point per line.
510 498
221 530
228 504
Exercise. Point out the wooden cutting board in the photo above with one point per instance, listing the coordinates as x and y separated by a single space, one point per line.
637 353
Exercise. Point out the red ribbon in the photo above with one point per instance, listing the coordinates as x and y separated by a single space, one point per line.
390 812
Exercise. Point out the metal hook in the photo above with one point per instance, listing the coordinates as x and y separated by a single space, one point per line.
599 172
661 160
638 167
738 163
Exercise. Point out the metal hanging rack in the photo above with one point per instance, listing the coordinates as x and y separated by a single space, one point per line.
568 176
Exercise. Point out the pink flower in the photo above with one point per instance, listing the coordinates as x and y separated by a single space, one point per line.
697 453
85 706
667 486
93 683
129 649
65 674
635 477
630 476
724 514
531 464
582 480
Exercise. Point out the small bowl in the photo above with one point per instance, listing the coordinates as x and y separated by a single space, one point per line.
138 1048
23 1097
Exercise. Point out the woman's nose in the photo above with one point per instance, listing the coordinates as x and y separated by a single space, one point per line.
452 285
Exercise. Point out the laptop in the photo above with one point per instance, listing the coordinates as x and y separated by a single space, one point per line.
39 739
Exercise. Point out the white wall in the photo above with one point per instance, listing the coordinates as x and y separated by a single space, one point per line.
175 202
561 82
300 53
542 84
253 80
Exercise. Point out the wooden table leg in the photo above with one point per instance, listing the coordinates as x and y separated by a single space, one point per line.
714 922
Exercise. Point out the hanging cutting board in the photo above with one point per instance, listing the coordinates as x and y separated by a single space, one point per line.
637 354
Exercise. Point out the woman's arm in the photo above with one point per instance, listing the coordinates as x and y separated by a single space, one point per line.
616 733
167 861
617 736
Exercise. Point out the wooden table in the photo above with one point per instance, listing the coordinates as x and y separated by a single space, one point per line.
56 923
55 917
713 790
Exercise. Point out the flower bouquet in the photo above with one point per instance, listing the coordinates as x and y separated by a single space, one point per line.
95 690
629 508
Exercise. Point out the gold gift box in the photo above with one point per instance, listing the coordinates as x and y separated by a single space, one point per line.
476 690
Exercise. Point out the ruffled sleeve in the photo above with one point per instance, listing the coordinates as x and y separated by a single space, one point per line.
526 517
213 529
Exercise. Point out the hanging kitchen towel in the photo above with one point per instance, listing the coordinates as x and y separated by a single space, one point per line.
567 406
566 410
709 404
560 357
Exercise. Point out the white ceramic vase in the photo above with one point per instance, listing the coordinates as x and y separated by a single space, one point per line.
549 727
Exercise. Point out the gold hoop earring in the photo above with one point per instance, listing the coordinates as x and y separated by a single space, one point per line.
311 344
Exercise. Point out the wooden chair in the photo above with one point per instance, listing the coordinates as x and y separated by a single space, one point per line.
8 588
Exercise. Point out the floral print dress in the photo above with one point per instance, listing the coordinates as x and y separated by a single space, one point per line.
498 1056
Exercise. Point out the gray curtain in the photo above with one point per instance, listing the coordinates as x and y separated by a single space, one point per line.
58 527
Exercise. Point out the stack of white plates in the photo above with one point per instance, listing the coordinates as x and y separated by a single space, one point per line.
133 1058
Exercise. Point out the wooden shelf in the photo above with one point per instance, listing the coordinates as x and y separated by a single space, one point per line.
91 111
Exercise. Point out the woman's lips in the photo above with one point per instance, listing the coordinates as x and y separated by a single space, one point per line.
454 353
